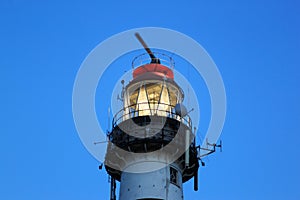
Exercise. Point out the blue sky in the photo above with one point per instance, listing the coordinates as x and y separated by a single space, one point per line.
255 45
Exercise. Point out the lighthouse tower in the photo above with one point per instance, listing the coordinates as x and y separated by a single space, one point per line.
152 151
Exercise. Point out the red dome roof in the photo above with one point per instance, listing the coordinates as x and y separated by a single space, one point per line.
155 69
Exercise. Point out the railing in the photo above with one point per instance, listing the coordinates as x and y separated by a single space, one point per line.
154 109
145 59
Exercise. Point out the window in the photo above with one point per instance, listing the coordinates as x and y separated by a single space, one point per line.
173 176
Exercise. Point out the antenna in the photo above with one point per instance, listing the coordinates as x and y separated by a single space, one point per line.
150 53
209 149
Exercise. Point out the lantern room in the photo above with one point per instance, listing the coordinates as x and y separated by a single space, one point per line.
152 90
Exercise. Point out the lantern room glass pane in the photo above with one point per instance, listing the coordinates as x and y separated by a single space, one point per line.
153 92
142 105
164 102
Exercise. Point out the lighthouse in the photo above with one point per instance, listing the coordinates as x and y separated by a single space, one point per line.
152 149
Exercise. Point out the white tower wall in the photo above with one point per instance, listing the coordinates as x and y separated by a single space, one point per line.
159 184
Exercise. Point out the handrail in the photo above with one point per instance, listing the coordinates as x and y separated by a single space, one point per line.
128 113
145 59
